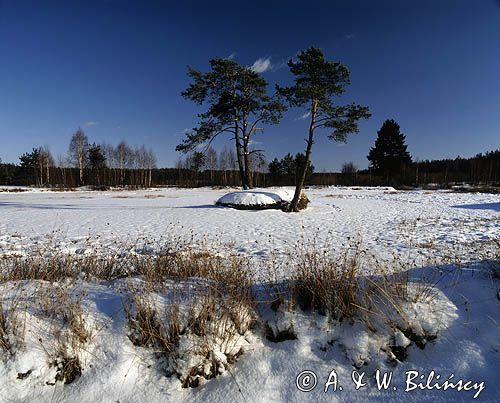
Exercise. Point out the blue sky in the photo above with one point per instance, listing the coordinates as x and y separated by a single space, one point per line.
116 68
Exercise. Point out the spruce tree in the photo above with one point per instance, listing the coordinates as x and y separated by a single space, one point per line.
96 157
389 157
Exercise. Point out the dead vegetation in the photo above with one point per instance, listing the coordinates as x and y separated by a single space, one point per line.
153 196
195 326
13 190
193 309
67 332
11 327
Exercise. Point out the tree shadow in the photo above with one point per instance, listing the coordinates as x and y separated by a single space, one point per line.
42 206
466 346
482 206
201 206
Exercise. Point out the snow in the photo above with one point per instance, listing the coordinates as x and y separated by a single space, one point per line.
386 223
257 197
409 229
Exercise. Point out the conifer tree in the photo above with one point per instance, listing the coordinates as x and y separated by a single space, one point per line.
237 103
317 82
389 157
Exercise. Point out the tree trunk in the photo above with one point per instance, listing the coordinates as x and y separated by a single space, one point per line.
246 155
302 175
80 164
239 157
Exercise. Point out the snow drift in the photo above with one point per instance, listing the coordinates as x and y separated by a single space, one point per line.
257 199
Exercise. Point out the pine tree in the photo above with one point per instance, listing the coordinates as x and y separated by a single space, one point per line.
32 160
237 101
317 82
389 157
290 167
198 160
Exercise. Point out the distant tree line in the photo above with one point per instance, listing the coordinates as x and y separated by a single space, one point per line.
483 168
237 104
86 163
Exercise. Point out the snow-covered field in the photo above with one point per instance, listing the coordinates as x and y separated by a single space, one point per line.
414 228
384 220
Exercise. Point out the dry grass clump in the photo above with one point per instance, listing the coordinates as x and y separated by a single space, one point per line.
192 263
56 266
13 190
148 328
67 365
327 284
303 201
213 337
11 328
197 327
69 331
153 196
180 262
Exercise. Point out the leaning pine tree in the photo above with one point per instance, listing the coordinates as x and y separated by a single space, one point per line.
237 102
317 82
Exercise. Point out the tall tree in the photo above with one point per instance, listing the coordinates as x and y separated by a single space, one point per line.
31 160
389 156
237 102
349 168
290 167
275 168
123 155
317 82
96 161
211 161
45 161
197 161
78 148
96 157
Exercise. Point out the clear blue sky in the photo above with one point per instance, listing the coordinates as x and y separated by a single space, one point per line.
116 69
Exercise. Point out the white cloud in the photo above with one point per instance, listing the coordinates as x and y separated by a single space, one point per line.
231 56
91 123
304 116
262 64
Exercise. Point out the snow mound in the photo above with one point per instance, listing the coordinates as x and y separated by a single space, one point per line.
257 199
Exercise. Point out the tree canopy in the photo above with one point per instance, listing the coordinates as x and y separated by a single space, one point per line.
390 154
237 102
317 83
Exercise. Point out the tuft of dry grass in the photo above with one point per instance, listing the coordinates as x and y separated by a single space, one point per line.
69 331
153 196
68 365
13 190
196 325
303 201
325 284
148 329
11 327
5 331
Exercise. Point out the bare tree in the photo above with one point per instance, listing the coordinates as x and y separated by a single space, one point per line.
349 168
123 157
223 163
211 161
149 164
45 162
78 148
